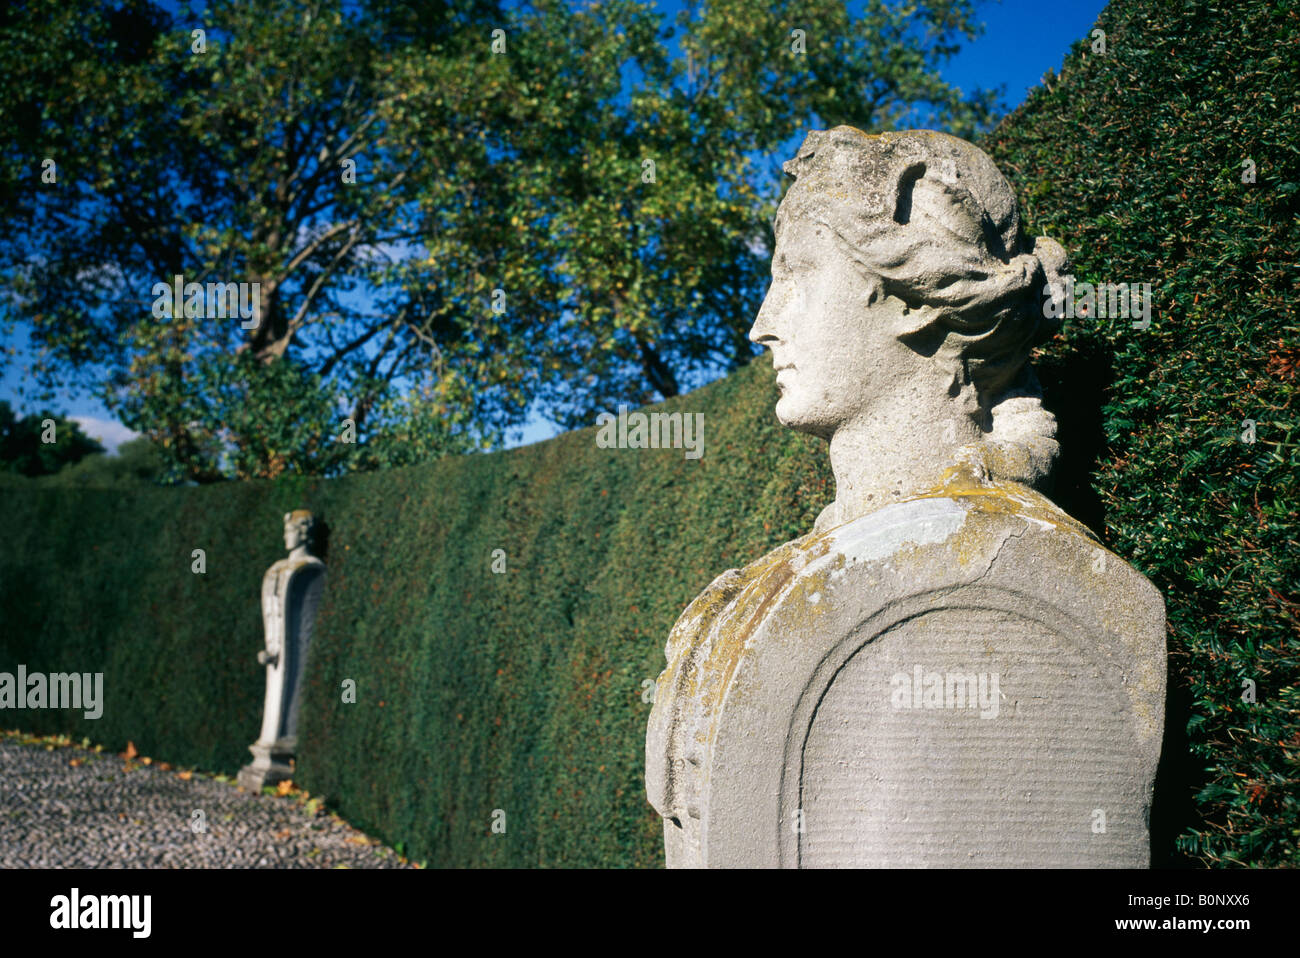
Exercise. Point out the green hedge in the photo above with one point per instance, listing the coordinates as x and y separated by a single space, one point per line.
523 691
476 691
1133 160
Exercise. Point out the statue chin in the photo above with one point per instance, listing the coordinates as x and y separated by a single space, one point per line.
791 416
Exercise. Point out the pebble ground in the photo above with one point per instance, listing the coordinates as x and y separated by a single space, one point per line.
75 808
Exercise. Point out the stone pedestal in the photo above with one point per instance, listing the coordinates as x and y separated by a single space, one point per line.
965 679
271 764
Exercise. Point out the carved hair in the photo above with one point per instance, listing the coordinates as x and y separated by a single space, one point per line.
933 221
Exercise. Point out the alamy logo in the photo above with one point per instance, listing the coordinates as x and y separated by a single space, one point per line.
656 430
58 690
1105 300
951 690
211 301
102 911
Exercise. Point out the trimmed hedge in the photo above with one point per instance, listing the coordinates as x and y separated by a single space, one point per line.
1133 160
523 691
476 691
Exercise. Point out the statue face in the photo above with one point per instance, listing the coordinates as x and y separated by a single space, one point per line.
830 328
295 534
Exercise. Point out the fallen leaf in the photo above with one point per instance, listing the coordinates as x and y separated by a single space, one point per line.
285 787
74 762
130 750
185 776
146 760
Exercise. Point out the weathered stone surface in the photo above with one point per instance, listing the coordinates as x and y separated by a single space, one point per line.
949 670
291 591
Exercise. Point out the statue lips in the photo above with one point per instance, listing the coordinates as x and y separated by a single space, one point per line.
788 367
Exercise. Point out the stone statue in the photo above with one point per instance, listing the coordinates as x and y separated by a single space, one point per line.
291 591
947 670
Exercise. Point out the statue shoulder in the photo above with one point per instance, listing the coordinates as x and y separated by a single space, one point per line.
721 596
292 567
274 571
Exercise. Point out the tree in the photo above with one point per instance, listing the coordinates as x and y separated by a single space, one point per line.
138 462
41 444
636 287
232 153
450 214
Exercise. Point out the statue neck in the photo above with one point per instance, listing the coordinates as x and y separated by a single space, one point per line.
896 453
298 553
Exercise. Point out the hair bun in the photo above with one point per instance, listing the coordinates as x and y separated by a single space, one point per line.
1052 255
1055 262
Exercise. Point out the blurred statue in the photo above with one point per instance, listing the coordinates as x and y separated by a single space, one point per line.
291 591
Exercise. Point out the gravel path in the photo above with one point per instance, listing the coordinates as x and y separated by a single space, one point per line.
75 808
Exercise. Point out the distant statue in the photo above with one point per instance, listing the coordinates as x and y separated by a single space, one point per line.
948 670
291 591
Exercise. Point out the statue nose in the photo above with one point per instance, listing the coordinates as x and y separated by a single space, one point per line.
761 332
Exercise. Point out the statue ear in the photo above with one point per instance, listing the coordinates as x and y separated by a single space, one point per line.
904 190
286 517
908 317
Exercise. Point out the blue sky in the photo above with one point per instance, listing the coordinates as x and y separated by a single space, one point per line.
1022 40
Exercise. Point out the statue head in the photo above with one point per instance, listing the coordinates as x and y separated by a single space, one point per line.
904 292
298 526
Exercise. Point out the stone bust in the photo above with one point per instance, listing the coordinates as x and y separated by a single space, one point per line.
938 674
903 306
291 590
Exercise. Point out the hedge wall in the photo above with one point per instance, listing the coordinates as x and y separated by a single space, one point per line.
522 691
1134 160
476 691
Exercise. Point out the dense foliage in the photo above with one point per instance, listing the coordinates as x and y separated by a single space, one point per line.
136 462
1136 159
439 218
41 443
477 690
